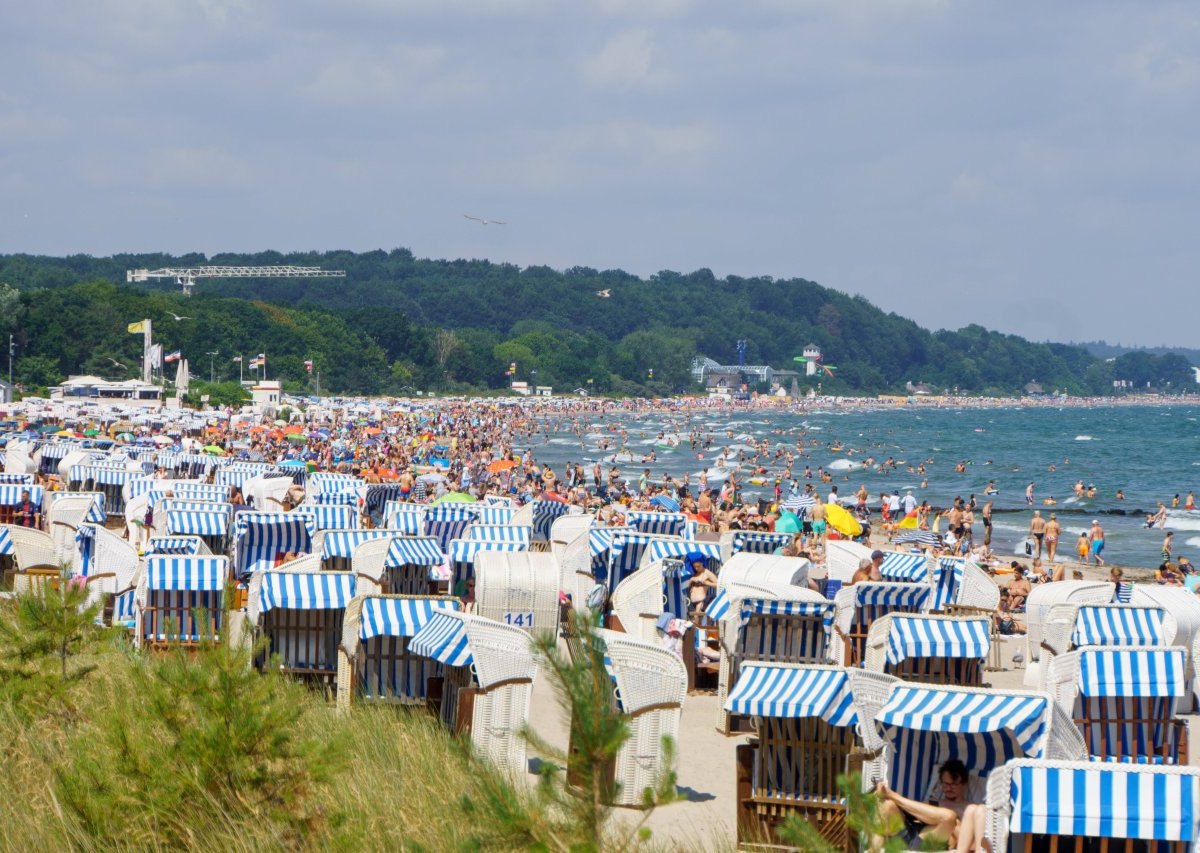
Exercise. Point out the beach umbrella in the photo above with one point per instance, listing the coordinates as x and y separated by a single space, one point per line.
667 503
297 439
91 432
125 436
214 450
919 537
797 501
293 465
787 523
432 477
455 497
501 465
842 521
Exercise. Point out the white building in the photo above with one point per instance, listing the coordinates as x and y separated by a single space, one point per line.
812 355
265 397
6 392
96 388
521 388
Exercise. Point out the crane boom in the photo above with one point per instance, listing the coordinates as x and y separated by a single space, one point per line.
185 277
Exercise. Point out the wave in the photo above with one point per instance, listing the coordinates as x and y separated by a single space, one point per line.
1193 541
1084 438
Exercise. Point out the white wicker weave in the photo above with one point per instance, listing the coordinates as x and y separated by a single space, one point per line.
881 629
761 568
977 589
1060 626
871 691
566 529
114 564
518 588
1038 604
34 556
638 602
575 571
651 683
63 519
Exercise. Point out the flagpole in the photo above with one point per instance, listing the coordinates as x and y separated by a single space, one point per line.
147 366
240 377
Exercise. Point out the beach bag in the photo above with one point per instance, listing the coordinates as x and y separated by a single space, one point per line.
595 598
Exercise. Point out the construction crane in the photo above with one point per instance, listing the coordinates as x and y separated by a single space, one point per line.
186 277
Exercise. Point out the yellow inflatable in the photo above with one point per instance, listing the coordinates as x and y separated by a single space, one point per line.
842 521
909 522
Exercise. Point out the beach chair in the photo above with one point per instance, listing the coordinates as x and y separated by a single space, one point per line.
399 565
179 601
807 722
625 553
767 623
516 534
657 523
262 539
752 567
337 547
858 607
922 726
960 586
298 609
330 516
543 514
1037 607
210 521
447 521
107 563
35 559
10 498
184 545
374 660
567 529
1124 700
1065 806
1076 626
930 648
463 554
642 598
518 589
752 542
485 694
66 512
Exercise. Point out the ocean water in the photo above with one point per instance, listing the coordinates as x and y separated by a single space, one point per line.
1151 453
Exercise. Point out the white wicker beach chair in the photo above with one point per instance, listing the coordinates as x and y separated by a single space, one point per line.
642 598
179 601
1058 805
1072 626
930 648
858 606
398 565
518 589
64 516
107 561
1037 607
374 661
34 557
566 529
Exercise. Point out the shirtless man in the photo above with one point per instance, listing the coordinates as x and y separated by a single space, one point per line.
1053 532
940 821
1096 538
986 514
1037 528
818 522
955 518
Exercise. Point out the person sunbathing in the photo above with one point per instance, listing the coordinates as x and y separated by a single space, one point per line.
934 822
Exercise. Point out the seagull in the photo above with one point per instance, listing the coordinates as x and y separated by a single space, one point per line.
177 317
482 221
604 294
114 361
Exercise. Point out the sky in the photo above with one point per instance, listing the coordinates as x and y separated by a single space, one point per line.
1031 167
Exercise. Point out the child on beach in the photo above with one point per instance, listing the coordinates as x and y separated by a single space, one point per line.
1083 547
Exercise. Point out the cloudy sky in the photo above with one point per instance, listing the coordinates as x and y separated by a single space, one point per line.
1033 167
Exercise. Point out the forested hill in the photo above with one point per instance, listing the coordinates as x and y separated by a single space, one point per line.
443 325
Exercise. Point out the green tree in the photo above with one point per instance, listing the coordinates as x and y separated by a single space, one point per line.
38 371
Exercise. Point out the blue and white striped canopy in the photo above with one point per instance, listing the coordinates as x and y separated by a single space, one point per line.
661 549
398 617
413 551
330 516
259 537
787 690
85 546
545 513
903 567
341 543
719 607
445 523
1157 672
10 494
1113 625
195 460
199 506
444 639
600 538
196 574
6 545
200 492
58 449
494 514
1021 718
194 523
784 607
95 513
918 537
937 638
465 550
498 500
947 579
1105 801
111 476
173 545
758 542
500 533
305 590
336 498
625 554
912 596
659 523
7 479
142 486
394 506
406 522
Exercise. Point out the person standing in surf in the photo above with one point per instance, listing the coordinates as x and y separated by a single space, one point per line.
1029 494
1037 529
1053 532
1096 538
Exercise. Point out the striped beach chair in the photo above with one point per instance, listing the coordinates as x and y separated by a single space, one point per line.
518 589
1124 700
463 553
201 492
400 565
178 545
625 554
657 523
904 568
337 547
754 542
1076 626
930 648
262 539
330 516
374 661
541 515
179 601
500 533
495 514
211 525
10 498
447 521
408 520
858 606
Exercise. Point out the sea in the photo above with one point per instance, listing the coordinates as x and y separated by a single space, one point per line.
1151 453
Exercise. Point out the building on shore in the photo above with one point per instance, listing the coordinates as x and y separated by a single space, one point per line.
95 388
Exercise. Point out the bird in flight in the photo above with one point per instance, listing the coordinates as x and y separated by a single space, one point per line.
483 221
114 361
604 294
177 317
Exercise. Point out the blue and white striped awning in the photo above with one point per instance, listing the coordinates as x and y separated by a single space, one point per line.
947 579
330 516
658 523
1105 801
1021 718
444 639
194 523
758 542
399 617
200 492
464 550
1157 672
85 547
1114 625
787 690
500 533
7 479
173 545
413 551
625 554
799 501
341 543
110 476
664 548
58 449
893 595
600 538
494 514
937 638
720 605
406 523
141 486
305 590
445 523
95 513
545 513
336 498
195 460
904 567
10 494
260 537
6 545
194 574
785 607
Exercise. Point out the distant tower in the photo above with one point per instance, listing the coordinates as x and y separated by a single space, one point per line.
741 351
812 354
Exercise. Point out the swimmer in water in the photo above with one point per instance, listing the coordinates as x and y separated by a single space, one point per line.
1120 494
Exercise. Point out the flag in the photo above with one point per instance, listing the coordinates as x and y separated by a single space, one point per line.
172 356
156 355
237 359
308 365
137 328
254 364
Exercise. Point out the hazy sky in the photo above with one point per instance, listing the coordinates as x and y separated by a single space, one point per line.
1033 167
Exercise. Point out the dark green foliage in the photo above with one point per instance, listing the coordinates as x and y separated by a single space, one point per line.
382 328
863 819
